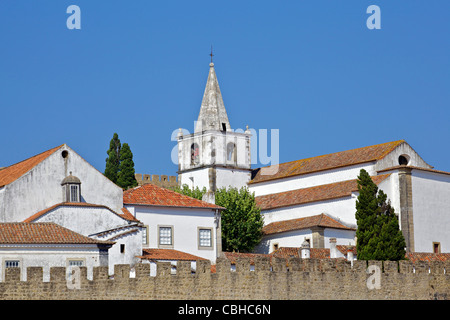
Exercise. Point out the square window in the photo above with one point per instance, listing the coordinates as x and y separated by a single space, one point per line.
204 236
165 235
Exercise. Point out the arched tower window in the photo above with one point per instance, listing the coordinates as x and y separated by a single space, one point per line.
195 154
71 189
231 152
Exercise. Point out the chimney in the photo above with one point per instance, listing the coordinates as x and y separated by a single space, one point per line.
349 255
305 251
333 250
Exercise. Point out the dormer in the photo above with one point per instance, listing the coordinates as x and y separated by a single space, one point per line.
71 186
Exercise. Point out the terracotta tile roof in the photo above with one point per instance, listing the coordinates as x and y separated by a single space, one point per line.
425 256
321 220
44 232
153 195
315 253
328 161
306 195
15 171
125 215
168 254
415 168
324 253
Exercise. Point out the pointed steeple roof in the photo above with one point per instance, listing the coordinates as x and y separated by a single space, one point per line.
213 115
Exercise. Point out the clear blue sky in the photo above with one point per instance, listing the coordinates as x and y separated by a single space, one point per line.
311 69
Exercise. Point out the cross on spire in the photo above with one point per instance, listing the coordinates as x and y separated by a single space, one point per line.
211 54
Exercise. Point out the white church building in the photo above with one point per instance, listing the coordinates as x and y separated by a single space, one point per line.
314 199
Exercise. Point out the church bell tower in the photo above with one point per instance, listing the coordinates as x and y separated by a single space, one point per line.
215 155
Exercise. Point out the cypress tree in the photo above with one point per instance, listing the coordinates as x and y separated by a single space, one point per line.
378 234
126 178
113 160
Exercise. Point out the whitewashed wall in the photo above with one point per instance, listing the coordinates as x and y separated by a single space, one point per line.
185 223
41 188
47 256
311 179
91 220
431 210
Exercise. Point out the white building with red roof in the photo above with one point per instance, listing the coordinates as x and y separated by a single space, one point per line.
216 156
59 186
173 221
46 244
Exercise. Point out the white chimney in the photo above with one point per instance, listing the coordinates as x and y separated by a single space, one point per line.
305 250
333 250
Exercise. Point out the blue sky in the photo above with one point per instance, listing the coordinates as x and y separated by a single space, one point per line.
311 69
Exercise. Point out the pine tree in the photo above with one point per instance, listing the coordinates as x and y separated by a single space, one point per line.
126 177
113 160
378 234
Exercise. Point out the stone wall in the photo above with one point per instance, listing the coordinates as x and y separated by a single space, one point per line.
271 279
161 181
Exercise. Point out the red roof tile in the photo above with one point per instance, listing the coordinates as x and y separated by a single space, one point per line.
125 215
321 220
153 195
43 232
15 171
425 256
168 254
306 195
329 161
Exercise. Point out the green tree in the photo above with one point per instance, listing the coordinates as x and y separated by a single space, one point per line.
113 160
125 177
193 193
241 220
378 234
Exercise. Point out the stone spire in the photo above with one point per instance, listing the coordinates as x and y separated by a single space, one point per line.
213 115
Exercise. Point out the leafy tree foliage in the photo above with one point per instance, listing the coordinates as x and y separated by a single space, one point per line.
242 221
378 234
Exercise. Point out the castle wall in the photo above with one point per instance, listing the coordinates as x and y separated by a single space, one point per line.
276 279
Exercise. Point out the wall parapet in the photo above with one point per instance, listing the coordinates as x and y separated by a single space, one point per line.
274 278
158 180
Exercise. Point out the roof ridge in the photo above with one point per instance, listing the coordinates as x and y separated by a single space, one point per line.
337 152
13 172
335 160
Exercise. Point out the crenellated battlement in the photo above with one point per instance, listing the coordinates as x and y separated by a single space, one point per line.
158 180
265 279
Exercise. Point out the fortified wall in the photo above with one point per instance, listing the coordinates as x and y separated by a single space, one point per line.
160 181
271 279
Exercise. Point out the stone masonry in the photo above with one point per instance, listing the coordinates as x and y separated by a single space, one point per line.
274 279
160 181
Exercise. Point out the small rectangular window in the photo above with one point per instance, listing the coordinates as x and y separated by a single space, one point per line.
122 248
145 235
75 263
165 235
224 127
436 247
205 237
12 263
74 194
